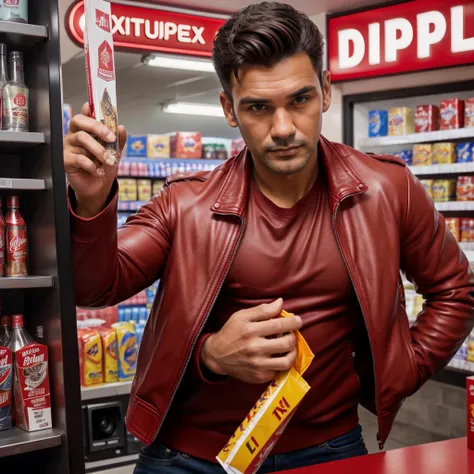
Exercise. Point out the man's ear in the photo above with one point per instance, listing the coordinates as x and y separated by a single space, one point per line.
228 108
327 93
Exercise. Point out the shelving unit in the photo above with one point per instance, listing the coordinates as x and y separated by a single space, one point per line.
32 164
459 206
443 170
106 390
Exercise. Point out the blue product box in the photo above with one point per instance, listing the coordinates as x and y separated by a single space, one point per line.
405 155
464 153
136 146
378 123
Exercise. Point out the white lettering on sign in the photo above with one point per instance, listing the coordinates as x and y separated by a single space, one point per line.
170 30
137 22
184 34
427 36
429 29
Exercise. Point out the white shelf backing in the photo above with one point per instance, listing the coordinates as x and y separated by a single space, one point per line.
433 170
455 206
467 246
427 137
22 184
17 441
14 283
106 390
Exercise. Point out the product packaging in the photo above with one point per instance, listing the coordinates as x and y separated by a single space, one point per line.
126 350
401 121
405 155
157 186
444 190
428 185
469 113
110 359
14 10
467 230
144 189
464 152
378 123
100 67
158 146
90 357
470 347
6 386
426 118
237 145
454 225
470 411
422 155
451 114
136 146
186 145
463 188
444 153
255 438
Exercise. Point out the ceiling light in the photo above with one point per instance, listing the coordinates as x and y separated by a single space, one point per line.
172 62
193 109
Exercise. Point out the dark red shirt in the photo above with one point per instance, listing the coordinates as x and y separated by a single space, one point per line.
303 265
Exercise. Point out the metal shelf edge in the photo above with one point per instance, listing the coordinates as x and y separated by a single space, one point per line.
23 29
17 441
433 170
21 137
106 390
22 184
26 282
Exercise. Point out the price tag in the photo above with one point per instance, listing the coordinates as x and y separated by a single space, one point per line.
6 183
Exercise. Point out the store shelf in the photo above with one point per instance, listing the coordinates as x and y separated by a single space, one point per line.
132 206
14 283
22 35
455 206
439 136
17 441
111 463
434 170
22 184
173 161
467 246
106 390
16 141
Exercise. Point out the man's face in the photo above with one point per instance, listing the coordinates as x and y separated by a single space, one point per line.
279 112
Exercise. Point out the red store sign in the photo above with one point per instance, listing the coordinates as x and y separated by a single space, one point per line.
150 29
406 37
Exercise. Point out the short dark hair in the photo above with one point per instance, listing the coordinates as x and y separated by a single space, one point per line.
265 34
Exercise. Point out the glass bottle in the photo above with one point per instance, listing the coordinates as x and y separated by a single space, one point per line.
15 96
16 240
2 241
19 337
3 75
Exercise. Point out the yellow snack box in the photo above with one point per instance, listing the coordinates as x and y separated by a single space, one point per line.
144 189
158 146
428 184
90 357
422 155
444 153
126 350
255 438
110 359
401 121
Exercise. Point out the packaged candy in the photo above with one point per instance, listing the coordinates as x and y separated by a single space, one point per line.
463 188
110 359
405 155
451 114
126 349
186 145
444 190
467 230
254 439
426 118
378 123
137 146
454 225
157 186
428 184
464 152
469 113
90 357
422 155
158 146
6 388
401 121
444 153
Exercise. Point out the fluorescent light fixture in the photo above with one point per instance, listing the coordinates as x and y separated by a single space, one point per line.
193 109
172 62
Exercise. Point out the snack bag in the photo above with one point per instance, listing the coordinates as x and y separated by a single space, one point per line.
254 439
100 67
90 357
126 349
110 359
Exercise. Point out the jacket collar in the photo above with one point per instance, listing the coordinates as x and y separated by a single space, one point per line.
342 179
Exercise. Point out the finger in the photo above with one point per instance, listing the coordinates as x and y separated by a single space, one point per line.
122 137
280 345
277 326
279 364
86 109
262 312
92 126
84 163
84 140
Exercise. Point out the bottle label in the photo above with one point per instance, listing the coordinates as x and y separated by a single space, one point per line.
32 397
17 251
15 108
2 249
6 380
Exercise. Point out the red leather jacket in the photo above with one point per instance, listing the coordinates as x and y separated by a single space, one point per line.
189 234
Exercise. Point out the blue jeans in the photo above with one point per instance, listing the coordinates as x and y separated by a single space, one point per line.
157 459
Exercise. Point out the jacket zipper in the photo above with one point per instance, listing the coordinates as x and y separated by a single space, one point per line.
232 257
381 446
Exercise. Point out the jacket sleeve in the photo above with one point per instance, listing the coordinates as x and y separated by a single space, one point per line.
112 265
434 262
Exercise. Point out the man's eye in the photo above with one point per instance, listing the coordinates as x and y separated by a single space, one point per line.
257 108
300 100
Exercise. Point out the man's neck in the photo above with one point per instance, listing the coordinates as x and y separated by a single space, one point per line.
286 190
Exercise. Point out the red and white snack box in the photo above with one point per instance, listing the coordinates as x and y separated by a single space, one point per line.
32 396
100 67
469 113
451 113
238 144
470 411
426 118
186 145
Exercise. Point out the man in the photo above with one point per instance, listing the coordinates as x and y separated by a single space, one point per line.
292 222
